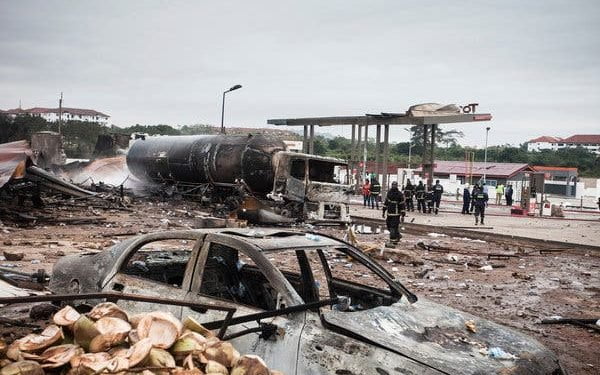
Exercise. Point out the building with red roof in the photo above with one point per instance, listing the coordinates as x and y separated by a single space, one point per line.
53 114
591 142
495 173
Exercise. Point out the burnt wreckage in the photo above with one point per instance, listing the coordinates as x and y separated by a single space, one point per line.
252 175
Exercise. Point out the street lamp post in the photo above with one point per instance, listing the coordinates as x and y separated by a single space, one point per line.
487 131
409 146
223 105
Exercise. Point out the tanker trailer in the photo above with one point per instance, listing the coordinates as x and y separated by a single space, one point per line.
254 175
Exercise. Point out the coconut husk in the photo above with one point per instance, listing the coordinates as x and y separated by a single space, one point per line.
107 309
110 324
133 336
103 343
139 351
162 329
250 365
22 368
113 332
189 342
134 320
87 358
118 351
33 342
193 325
60 355
66 316
84 331
181 371
214 367
222 352
160 358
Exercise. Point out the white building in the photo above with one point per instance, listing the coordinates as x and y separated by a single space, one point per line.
590 142
294 146
543 143
68 114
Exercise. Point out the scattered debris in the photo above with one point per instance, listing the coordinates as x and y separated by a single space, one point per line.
498 353
592 324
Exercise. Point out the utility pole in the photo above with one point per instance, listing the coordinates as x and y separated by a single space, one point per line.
409 145
487 130
60 113
223 105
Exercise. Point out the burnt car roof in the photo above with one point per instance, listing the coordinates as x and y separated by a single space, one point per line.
274 239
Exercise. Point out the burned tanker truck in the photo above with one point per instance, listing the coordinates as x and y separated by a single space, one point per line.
254 176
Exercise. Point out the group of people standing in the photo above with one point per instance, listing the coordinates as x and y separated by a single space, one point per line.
428 200
398 202
507 193
371 191
476 200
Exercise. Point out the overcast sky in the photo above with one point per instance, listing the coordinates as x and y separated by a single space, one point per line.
535 65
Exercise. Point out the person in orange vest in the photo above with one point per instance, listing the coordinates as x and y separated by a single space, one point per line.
366 192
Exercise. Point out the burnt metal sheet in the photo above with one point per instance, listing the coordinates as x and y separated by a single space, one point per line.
15 157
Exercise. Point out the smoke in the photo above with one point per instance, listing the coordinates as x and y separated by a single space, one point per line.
110 171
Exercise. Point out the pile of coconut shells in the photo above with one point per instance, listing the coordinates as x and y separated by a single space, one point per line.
108 341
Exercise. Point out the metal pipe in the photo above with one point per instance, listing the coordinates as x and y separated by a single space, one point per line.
386 151
487 130
365 150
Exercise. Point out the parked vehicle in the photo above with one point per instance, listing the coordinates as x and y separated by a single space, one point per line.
305 302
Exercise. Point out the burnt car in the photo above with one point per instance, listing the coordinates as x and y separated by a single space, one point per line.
305 302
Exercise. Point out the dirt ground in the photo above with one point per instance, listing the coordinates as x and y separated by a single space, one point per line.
519 291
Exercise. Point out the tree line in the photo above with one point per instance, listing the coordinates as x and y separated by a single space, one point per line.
80 140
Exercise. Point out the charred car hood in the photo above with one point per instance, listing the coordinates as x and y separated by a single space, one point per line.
436 335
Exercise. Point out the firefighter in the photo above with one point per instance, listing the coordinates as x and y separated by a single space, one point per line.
394 206
420 194
466 200
438 190
429 198
473 192
409 191
375 192
480 199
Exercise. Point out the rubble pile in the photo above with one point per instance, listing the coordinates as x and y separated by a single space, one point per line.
109 341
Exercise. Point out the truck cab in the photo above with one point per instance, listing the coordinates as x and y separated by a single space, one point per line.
313 182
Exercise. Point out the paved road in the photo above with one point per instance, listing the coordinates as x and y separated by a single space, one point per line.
585 231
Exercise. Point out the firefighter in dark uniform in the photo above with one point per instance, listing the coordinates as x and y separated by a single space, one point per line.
375 192
420 194
480 199
409 191
394 206
438 190
429 198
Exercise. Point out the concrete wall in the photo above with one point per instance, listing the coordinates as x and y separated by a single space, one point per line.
588 187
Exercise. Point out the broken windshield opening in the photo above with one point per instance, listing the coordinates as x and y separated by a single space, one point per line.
320 274
298 168
164 261
322 171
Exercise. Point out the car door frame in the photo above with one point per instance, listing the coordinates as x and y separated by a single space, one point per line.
288 339
150 287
